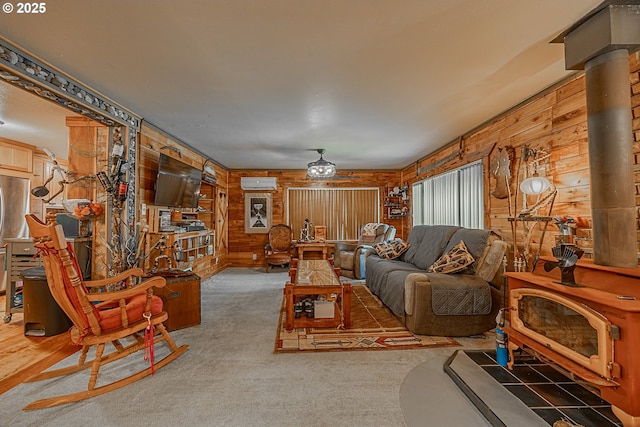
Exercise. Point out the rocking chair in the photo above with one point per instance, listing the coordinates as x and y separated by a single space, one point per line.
102 311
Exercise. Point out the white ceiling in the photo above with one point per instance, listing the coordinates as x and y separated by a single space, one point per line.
257 84
32 120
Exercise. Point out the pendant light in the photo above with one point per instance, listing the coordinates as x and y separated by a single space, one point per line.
321 168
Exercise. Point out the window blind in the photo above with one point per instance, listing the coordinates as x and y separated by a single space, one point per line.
342 211
452 198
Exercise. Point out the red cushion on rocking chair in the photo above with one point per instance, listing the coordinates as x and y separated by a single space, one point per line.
110 317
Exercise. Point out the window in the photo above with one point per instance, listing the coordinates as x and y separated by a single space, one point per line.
452 198
342 210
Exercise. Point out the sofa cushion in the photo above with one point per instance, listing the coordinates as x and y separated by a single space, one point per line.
391 249
476 242
427 243
378 270
456 259
392 293
491 262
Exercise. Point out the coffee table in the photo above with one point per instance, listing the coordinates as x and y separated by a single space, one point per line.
311 279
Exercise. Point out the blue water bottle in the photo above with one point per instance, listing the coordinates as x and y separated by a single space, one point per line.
502 354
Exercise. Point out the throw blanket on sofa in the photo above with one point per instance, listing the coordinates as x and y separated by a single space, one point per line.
369 229
368 236
459 295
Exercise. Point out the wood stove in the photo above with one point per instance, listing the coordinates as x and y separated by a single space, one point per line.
591 330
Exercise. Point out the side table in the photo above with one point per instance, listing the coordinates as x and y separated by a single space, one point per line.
181 298
322 250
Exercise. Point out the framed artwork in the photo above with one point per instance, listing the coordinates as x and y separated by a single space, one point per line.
257 212
320 233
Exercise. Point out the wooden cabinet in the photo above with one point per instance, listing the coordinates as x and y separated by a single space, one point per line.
396 202
181 301
15 155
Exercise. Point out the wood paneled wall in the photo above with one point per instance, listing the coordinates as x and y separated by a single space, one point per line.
151 145
555 120
242 246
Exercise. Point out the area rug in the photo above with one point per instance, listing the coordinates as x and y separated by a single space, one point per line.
373 327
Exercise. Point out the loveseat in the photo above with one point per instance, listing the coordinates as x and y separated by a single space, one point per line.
350 256
459 303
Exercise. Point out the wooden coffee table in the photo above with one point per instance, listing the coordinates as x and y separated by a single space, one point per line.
311 279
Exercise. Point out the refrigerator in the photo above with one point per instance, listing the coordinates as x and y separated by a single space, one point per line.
14 205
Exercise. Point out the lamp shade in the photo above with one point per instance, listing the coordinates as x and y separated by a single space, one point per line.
321 168
535 185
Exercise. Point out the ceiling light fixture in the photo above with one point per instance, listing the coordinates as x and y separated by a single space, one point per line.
321 168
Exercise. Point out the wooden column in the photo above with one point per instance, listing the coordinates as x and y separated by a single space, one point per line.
86 138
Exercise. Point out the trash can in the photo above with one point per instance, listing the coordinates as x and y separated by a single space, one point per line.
43 317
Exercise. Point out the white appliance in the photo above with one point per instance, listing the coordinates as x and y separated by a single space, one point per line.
258 183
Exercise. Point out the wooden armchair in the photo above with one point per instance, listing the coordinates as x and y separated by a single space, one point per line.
102 311
279 249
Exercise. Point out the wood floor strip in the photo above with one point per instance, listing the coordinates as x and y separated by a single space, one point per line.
22 357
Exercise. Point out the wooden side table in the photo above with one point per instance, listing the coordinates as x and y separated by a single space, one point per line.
322 250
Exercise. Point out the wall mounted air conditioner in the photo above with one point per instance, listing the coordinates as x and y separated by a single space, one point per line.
258 183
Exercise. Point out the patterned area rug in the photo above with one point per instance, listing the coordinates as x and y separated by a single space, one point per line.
374 327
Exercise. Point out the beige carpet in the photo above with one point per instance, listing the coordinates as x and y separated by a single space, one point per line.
374 327
231 377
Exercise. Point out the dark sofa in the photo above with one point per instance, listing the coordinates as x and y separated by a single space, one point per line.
459 304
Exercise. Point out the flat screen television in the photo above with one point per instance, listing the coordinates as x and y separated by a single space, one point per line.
177 183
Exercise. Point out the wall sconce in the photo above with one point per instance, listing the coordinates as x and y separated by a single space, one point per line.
535 185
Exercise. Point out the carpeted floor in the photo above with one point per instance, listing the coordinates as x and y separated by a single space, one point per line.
230 376
374 327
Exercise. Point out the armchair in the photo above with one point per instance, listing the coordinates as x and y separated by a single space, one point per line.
279 249
350 256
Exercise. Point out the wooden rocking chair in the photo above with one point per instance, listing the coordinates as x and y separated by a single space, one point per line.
102 311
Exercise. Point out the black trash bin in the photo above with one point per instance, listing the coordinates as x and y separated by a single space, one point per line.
43 316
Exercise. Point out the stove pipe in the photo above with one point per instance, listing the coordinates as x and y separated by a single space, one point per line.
613 206
601 44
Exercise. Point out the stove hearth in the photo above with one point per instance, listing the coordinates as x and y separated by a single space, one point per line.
587 323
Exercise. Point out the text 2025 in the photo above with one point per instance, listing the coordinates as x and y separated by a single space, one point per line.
31 7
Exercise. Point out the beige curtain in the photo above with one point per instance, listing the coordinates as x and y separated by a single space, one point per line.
342 211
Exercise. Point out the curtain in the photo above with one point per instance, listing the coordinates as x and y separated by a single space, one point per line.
342 211
451 198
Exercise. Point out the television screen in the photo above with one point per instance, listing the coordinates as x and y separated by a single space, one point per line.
177 184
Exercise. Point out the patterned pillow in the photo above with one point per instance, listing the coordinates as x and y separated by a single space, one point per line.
457 259
391 249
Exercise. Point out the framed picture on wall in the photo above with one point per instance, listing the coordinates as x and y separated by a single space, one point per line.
257 212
